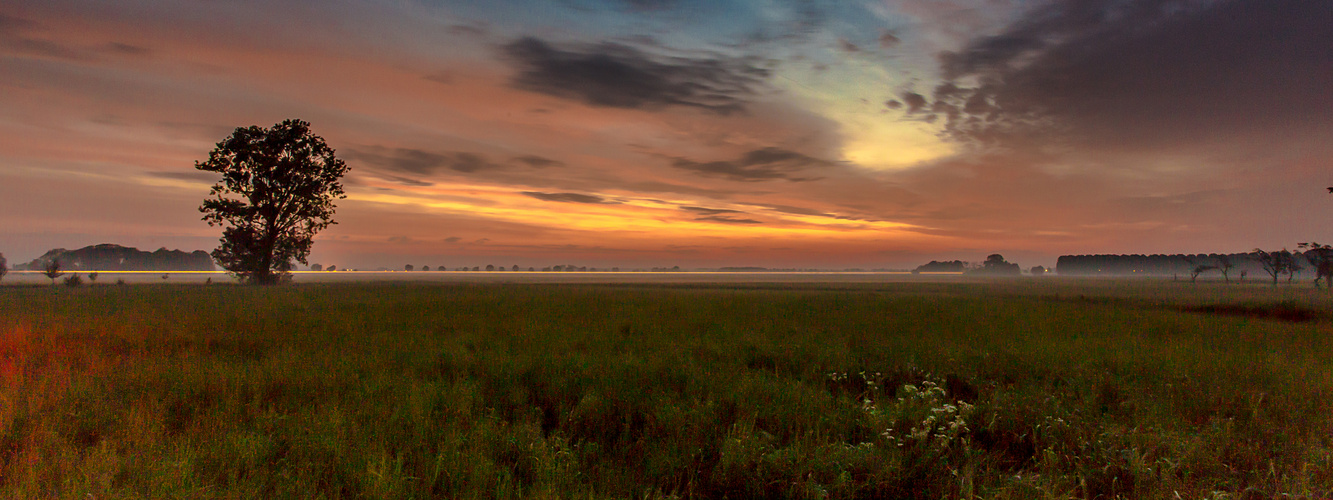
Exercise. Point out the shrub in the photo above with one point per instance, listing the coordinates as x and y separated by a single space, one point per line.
73 281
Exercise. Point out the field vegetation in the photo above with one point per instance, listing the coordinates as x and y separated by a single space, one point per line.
1017 388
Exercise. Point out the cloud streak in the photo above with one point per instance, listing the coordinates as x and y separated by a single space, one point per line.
567 197
765 164
620 76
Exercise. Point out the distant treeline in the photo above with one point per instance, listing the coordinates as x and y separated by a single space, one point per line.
110 257
948 266
1162 265
994 265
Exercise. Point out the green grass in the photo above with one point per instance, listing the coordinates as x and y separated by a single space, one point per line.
1068 389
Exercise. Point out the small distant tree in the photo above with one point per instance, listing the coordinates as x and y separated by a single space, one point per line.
1038 270
73 281
53 270
490 267
332 267
515 268
316 267
165 276
92 277
1274 263
407 267
1321 257
1200 269
1293 265
996 265
425 268
1224 264
476 268
4 266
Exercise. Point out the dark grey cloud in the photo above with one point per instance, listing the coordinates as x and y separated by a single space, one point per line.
663 187
847 46
764 164
915 102
409 166
620 76
1148 73
421 162
710 211
187 176
127 49
408 182
727 220
535 161
10 24
788 209
566 197
16 35
648 5
888 40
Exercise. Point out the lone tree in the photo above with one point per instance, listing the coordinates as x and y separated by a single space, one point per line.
1321 257
1273 262
52 270
4 266
1224 264
277 190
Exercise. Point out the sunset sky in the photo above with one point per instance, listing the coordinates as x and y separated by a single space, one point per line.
698 133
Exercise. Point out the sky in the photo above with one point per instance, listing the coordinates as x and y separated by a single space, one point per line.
699 133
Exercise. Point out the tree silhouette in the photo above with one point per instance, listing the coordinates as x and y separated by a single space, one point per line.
1200 269
407 267
996 265
52 270
277 190
1224 264
490 267
1272 262
4 266
316 267
1321 257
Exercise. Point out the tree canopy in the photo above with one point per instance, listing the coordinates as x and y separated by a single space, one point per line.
277 190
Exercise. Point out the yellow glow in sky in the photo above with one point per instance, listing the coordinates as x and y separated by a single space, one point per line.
873 136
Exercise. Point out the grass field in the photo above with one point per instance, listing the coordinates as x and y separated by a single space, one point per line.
1006 389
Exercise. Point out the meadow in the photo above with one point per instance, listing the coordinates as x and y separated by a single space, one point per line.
1020 388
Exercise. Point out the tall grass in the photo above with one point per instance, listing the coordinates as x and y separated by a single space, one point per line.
558 391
